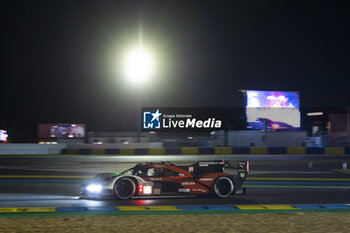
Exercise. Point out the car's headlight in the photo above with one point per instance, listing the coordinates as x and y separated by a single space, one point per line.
94 188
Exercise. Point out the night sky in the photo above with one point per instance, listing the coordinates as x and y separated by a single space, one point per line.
58 57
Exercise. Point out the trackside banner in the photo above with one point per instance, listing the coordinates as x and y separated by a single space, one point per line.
185 119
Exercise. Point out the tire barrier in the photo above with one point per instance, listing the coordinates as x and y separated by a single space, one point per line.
214 151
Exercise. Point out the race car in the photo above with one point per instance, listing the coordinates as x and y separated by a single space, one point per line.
220 178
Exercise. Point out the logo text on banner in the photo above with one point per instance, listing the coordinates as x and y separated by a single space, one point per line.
180 119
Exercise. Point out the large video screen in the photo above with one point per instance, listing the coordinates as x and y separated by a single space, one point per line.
272 110
67 131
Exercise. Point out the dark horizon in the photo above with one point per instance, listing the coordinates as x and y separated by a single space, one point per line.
58 54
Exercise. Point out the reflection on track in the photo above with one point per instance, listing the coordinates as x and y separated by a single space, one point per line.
255 195
33 197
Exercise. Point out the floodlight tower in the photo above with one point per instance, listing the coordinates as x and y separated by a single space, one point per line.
138 70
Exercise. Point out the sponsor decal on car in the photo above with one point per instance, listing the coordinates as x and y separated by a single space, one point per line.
155 178
206 179
184 190
206 164
188 183
199 190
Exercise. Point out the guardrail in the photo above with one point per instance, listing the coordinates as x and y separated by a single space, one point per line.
213 151
31 148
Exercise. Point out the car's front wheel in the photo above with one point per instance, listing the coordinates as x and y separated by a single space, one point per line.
124 188
223 186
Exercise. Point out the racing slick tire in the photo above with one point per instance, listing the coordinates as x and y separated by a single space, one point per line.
223 187
124 188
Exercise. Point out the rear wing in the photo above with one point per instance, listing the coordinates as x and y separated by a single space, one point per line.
239 171
241 166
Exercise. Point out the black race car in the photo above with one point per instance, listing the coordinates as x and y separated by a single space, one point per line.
219 177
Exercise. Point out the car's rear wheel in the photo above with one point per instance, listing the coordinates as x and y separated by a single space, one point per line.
223 186
124 188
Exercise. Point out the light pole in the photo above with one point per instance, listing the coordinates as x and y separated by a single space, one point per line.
138 70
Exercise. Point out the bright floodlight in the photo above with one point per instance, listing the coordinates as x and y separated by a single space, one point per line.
138 66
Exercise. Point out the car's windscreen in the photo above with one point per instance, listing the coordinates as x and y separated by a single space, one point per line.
134 172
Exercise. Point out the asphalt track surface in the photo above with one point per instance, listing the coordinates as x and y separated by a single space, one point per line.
279 179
